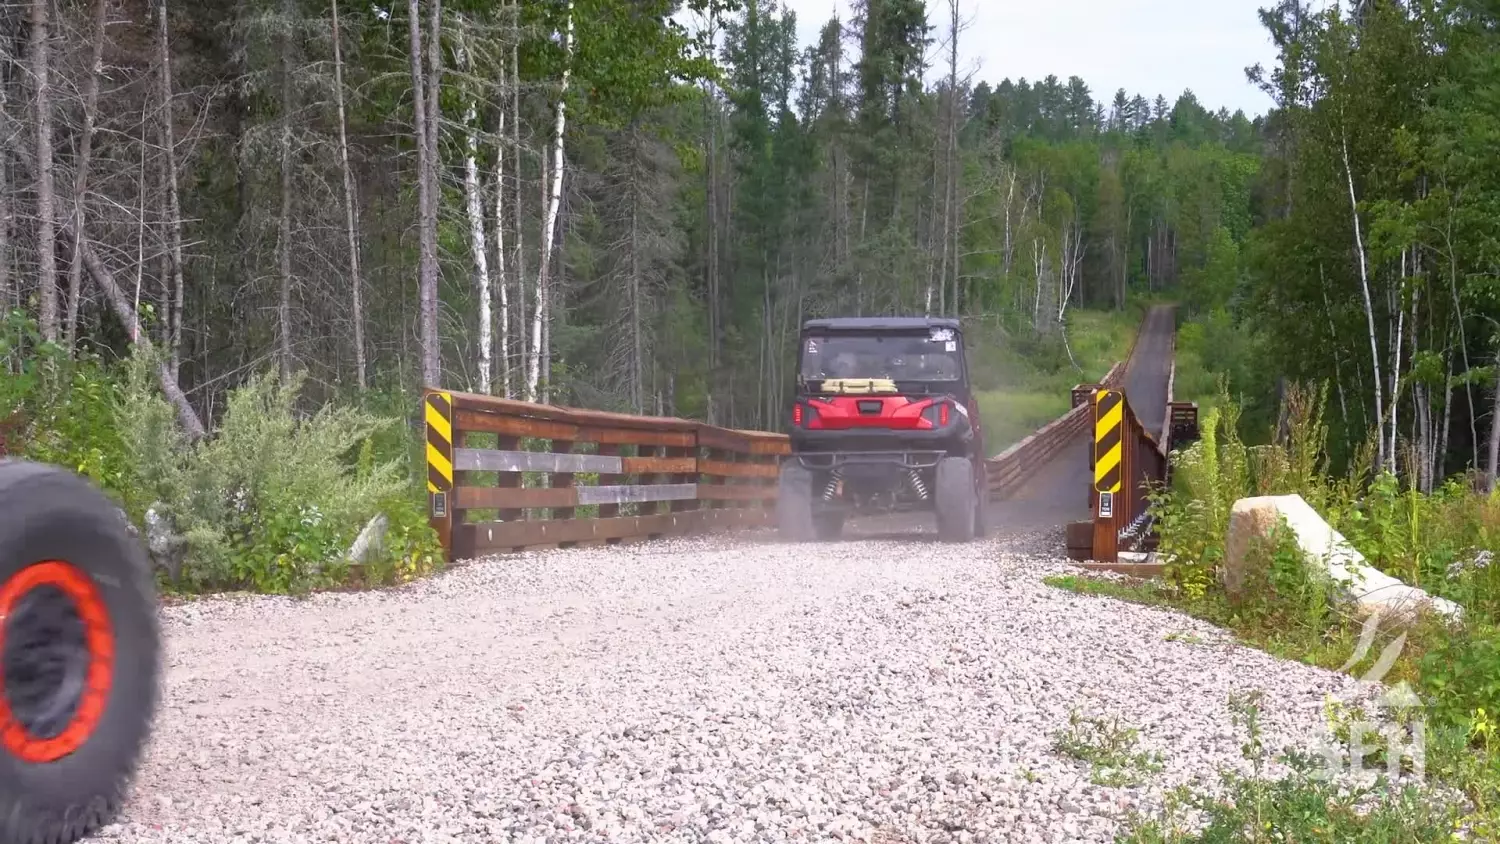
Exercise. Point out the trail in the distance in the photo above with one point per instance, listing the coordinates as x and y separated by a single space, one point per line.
1059 492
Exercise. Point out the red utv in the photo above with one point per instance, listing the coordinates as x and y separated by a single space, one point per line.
883 421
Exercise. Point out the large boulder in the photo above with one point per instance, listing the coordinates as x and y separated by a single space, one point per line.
1255 520
1252 522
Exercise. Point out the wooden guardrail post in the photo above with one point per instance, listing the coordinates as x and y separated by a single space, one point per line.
437 411
1111 466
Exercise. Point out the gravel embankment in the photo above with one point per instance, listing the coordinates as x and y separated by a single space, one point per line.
689 690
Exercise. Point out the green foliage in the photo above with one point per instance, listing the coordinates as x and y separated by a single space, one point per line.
1303 807
1437 541
273 499
1460 677
1108 748
63 407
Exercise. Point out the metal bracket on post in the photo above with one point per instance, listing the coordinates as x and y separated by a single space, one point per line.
1109 470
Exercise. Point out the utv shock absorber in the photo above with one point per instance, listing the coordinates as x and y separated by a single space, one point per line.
917 484
832 487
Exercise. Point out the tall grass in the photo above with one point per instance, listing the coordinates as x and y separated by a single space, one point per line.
1443 542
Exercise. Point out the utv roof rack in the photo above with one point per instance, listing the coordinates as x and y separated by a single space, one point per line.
881 323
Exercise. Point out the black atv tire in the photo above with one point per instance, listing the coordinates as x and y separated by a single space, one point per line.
75 584
828 526
956 500
794 500
981 508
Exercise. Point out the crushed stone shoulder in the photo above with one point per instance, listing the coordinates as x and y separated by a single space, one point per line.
880 689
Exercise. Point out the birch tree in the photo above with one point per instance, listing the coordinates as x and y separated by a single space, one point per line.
351 211
46 244
81 174
541 311
169 178
474 206
427 269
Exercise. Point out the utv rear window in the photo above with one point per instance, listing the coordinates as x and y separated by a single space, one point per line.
902 357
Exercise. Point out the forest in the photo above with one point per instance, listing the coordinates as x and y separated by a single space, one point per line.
603 203
632 204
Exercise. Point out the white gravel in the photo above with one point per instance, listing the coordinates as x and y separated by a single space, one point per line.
690 690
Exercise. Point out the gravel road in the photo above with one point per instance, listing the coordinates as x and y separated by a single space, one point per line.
708 689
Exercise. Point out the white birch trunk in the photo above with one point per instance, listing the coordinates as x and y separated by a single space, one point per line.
477 245
284 247
427 276
174 204
1396 372
518 206
46 243
1493 466
1364 289
81 178
351 213
549 222
500 280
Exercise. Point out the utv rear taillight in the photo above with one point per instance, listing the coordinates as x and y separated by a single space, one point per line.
797 415
937 413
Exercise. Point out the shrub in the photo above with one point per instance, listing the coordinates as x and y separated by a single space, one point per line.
272 500
1442 542
1303 807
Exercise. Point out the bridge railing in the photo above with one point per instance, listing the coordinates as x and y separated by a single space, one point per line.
1009 469
506 475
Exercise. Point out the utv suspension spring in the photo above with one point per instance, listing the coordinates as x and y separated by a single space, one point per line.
832 487
916 483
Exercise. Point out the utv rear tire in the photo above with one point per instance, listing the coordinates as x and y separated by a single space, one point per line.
74 582
957 500
794 498
829 526
981 513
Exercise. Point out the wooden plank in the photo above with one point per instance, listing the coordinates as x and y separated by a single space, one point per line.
659 465
624 436
502 498
515 426
488 460
713 437
522 426
725 469
562 480
500 536
684 476
571 415
737 518
767 442
609 511
735 492
497 537
635 493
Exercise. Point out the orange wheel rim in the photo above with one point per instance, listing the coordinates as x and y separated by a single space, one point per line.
56 661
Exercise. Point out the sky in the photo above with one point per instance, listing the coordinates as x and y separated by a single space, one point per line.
1147 47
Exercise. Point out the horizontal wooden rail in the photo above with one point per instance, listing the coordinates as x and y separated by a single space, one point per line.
505 475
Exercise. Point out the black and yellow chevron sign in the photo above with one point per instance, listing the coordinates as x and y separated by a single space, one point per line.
439 410
1109 423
